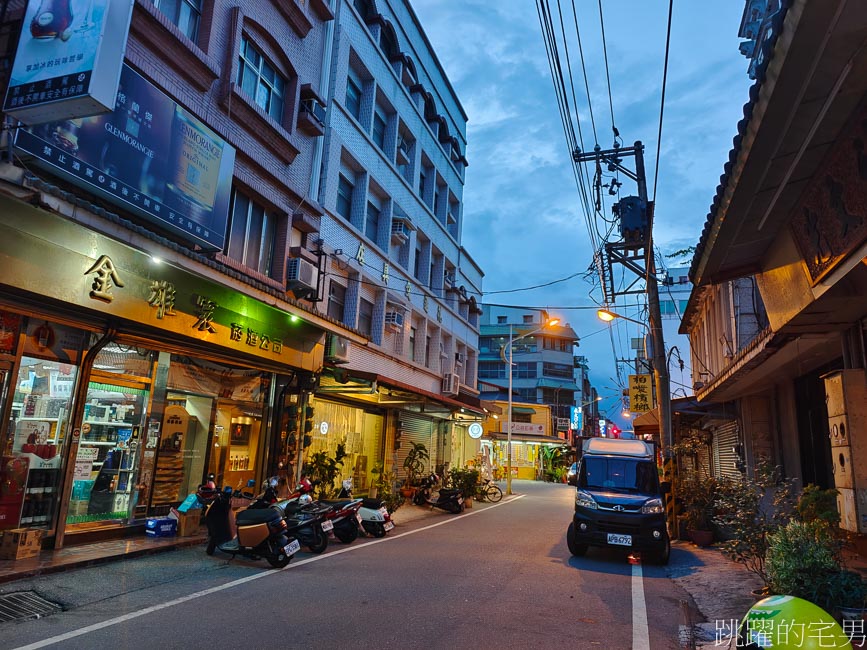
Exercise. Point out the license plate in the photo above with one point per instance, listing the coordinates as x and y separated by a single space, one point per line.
460 499
327 525
292 547
620 540
388 525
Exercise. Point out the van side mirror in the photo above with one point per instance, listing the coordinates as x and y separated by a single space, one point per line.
665 487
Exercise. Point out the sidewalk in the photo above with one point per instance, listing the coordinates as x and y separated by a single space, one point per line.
72 557
722 592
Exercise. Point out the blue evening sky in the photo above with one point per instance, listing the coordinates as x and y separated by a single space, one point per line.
523 222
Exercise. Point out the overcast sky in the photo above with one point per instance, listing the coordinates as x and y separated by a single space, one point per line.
523 223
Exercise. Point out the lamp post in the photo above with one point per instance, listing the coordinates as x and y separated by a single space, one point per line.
512 339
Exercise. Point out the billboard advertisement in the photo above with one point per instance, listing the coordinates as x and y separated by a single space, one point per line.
576 419
68 59
149 155
640 393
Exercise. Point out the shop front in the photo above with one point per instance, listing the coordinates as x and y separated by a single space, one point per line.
124 383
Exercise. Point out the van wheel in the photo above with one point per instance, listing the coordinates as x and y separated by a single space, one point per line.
576 549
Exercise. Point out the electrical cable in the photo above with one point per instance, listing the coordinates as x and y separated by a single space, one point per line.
607 74
662 99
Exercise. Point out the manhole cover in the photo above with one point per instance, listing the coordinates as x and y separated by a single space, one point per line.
25 604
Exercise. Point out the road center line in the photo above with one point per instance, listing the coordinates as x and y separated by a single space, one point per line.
640 633
240 581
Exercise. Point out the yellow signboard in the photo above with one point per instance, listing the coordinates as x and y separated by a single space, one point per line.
640 393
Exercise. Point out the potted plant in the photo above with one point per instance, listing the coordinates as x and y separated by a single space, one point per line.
697 496
414 464
802 558
847 595
322 470
376 472
464 479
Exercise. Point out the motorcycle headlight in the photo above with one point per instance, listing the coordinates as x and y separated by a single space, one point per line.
584 500
652 507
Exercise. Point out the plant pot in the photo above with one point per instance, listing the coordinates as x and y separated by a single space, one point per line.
701 537
852 614
468 502
407 492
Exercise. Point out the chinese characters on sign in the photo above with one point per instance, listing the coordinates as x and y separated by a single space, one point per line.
106 274
639 393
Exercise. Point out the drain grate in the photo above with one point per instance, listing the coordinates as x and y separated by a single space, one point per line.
25 604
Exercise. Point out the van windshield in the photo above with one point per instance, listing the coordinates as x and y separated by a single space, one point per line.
619 475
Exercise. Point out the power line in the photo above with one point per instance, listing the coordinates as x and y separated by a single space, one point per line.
662 100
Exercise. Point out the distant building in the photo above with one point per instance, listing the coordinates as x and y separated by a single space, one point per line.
546 369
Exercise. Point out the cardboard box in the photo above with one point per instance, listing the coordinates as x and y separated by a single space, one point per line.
20 543
161 527
189 522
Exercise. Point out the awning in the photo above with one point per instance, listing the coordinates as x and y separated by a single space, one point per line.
359 380
525 410
553 383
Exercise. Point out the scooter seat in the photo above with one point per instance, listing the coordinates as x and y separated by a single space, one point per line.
263 516
373 504
337 503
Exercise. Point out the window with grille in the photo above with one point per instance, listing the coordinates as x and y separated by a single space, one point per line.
260 80
378 133
184 14
251 234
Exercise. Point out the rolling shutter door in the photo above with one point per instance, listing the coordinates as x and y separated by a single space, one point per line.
725 437
415 429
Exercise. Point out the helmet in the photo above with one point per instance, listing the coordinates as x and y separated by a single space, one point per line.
305 485
305 499
787 622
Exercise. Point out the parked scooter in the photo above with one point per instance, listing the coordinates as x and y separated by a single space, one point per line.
306 522
446 498
261 532
372 514
344 515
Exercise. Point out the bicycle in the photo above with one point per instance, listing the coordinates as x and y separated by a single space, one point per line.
487 490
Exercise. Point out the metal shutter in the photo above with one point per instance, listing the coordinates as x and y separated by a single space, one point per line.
415 429
725 437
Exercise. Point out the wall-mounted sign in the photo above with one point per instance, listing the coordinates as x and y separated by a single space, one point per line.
524 427
68 59
475 430
576 418
640 393
149 156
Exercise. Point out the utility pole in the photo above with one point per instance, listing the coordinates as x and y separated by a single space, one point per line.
636 248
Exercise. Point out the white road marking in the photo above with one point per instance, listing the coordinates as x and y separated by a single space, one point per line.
640 633
236 583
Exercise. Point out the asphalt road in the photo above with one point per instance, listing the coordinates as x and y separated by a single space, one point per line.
498 576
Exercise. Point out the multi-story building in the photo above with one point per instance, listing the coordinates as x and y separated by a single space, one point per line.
388 256
147 337
545 371
778 315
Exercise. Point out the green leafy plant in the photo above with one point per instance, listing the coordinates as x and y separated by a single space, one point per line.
388 490
847 589
750 510
697 497
415 462
554 461
322 470
464 479
802 558
818 504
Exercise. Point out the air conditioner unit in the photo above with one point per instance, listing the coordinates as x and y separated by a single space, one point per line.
336 349
394 320
459 357
449 279
301 275
451 383
399 230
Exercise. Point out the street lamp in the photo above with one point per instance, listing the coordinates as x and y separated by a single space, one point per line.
549 323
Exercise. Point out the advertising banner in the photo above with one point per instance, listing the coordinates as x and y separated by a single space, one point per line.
576 419
150 156
68 59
